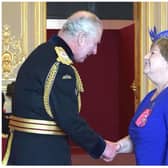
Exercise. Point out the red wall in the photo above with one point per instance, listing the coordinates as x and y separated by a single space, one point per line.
106 79
100 76
126 77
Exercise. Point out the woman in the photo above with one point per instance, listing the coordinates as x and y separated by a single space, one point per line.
148 130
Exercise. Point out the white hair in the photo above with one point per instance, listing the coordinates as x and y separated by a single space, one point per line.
82 21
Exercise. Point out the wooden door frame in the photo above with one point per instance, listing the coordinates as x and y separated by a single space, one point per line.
137 53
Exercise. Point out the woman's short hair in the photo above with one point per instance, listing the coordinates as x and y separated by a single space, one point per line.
163 46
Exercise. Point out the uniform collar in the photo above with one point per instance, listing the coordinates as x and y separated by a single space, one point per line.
57 41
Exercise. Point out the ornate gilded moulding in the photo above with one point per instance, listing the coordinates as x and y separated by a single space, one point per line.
12 54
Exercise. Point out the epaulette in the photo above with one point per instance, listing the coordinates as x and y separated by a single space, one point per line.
64 59
62 56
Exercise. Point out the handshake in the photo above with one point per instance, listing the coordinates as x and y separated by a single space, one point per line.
110 151
123 145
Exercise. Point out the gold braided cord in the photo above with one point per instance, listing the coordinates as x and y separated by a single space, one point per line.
79 86
7 154
62 56
48 86
64 59
79 83
79 102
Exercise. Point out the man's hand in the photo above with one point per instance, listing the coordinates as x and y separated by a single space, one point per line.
110 151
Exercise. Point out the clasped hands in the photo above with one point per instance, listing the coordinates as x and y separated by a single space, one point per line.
110 151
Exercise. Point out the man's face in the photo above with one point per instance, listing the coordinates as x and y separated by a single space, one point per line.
87 45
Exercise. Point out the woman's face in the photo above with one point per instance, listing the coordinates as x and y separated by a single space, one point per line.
154 63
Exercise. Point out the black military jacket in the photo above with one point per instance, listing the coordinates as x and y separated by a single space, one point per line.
58 102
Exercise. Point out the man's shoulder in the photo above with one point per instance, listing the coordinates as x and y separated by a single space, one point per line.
46 46
63 68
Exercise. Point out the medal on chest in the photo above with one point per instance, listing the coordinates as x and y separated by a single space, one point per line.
142 119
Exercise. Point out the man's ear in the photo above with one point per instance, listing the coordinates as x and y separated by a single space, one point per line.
81 39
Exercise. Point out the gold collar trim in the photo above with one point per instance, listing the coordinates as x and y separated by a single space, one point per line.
62 56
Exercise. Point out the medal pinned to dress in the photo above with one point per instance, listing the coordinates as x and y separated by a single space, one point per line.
142 119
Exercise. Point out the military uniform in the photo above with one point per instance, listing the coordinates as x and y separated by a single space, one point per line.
46 110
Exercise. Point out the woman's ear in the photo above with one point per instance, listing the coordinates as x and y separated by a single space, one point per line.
81 39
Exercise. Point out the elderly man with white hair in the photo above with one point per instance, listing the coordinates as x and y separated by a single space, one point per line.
47 99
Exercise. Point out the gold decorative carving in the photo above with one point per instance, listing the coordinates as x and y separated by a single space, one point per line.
12 53
133 86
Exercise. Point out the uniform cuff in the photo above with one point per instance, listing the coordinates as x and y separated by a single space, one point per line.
98 149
